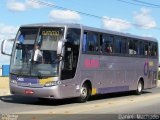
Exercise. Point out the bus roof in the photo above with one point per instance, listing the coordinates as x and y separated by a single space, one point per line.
74 25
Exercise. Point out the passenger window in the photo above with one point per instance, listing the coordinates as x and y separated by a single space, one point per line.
85 42
149 48
101 43
108 43
141 48
146 48
90 42
120 45
153 49
124 46
133 47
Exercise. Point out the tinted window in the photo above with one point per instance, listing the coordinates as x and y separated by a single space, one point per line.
133 47
120 45
153 49
108 43
85 42
90 42
123 47
141 48
146 48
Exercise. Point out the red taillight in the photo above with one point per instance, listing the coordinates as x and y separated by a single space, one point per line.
29 92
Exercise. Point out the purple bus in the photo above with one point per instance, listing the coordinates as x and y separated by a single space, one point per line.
57 61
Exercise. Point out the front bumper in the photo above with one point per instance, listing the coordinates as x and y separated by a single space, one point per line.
45 92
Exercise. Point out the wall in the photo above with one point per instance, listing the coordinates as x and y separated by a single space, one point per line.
0 71
5 70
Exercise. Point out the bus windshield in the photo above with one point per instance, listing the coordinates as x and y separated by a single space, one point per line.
35 52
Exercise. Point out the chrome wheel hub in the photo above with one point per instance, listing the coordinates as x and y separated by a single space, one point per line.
83 92
139 87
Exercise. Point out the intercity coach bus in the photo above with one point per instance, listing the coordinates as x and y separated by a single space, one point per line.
56 60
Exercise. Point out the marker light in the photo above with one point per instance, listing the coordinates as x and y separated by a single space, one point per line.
14 81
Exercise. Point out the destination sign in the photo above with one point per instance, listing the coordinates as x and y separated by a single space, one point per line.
50 33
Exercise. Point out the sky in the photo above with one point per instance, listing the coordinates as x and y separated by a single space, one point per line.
137 17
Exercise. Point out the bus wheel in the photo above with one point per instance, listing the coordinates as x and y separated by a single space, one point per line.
43 99
85 93
139 88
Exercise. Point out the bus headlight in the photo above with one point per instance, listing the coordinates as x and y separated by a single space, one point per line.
14 81
52 83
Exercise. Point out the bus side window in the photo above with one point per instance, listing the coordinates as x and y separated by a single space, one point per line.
93 42
150 49
118 44
101 44
135 47
124 46
156 49
85 42
108 43
141 48
131 47
146 48
153 49
90 42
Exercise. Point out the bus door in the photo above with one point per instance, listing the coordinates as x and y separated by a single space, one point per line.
69 76
154 80
152 77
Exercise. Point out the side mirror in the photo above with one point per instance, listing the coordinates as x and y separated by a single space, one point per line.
4 44
60 47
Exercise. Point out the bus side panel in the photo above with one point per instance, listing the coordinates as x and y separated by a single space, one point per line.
116 74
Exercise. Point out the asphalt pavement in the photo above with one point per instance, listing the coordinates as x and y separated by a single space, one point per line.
110 106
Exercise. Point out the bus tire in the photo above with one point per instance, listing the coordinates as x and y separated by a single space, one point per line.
139 88
43 99
85 93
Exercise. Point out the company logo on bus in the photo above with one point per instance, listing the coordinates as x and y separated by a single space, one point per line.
91 63
20 79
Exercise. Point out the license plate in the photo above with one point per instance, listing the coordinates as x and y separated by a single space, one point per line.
29 92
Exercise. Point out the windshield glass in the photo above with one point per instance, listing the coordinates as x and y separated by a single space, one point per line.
34 52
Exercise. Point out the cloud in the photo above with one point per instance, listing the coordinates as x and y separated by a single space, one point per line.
144 19
64 15
115 24
16 6
6 32
7 29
